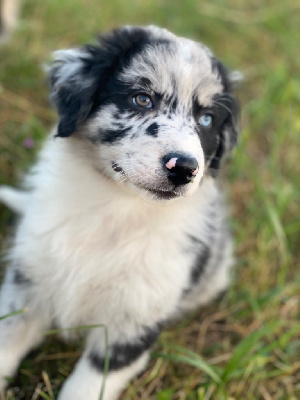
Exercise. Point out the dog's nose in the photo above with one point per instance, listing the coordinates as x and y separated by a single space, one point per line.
181 168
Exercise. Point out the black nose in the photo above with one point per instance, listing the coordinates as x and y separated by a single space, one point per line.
181 168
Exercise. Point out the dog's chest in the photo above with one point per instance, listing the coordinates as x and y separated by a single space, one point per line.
123 250
111 261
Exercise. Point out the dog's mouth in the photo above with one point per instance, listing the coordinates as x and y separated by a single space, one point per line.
157 194
162 194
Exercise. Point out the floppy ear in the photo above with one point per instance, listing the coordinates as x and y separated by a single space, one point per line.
77 76
72 89
231 127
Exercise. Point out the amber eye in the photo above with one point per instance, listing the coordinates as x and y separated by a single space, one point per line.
142 100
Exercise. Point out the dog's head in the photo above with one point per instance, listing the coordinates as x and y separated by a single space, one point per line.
158 109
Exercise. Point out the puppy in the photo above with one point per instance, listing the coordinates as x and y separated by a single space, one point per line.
122 221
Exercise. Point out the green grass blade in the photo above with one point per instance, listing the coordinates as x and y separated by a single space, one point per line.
75 328
192 359
283 339
12 314
245 347
45 396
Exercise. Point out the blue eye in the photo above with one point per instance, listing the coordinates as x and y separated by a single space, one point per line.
142 100
206 120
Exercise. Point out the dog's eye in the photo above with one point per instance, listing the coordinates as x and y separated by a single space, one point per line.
142 100
206 120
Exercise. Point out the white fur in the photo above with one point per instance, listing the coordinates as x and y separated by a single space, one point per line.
14 199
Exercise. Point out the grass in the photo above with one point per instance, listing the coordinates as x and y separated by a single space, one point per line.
248 345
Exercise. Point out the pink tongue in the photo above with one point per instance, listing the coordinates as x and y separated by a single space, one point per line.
171 163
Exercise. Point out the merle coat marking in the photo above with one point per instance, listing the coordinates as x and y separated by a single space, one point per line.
122 222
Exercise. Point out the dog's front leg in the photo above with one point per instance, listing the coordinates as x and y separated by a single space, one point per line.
128 356
18 333
85 383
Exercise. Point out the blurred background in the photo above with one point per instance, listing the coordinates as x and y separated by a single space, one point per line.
247 345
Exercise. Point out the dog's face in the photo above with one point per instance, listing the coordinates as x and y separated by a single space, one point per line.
158 109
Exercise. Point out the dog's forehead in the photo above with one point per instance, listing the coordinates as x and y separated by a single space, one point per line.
175 66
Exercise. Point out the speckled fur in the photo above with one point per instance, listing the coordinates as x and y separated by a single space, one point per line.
102 245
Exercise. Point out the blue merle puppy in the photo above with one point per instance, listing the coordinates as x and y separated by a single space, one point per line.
122 222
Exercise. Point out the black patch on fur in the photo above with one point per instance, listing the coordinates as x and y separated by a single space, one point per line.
20 278
222 71
145 84
80 94
111 136
205 255
170 103
152 130
122 355
215 162
202 259
222 135
173 105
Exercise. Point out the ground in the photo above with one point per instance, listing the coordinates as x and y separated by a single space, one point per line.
247 345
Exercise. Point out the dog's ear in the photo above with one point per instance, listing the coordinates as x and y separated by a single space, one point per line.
72 88
77 76
231 127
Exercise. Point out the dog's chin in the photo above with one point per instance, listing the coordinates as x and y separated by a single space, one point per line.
161 195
